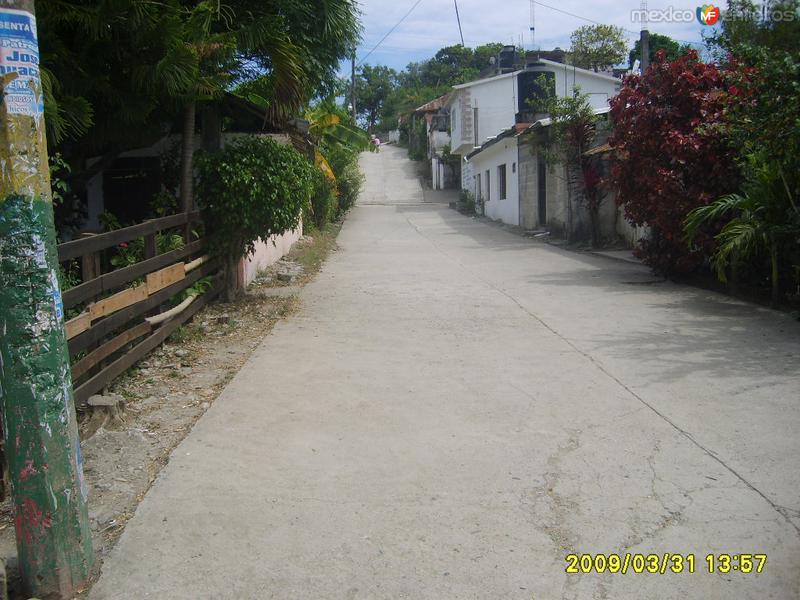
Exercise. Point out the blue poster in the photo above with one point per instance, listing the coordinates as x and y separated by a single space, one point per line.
19 63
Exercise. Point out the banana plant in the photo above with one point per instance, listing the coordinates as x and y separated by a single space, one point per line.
326 126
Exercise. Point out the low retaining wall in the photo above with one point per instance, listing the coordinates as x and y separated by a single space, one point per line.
267 253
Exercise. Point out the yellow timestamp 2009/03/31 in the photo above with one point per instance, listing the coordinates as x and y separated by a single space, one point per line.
667 562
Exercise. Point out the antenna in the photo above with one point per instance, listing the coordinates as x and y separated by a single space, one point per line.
533 24
643 12
458 18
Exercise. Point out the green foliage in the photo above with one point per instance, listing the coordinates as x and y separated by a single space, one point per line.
421 82
324 204
743 26
597 47
59 186
69 275
763 219
671 48
114 73
760 235
200 287
252 188
373 88
572 132
466 202
418 141
130 253
349 178
332 125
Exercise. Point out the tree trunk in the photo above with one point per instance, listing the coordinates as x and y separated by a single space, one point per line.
232 288
187 165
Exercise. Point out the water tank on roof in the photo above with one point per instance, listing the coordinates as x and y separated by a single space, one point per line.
508 58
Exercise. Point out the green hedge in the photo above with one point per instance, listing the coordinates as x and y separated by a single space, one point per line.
252 188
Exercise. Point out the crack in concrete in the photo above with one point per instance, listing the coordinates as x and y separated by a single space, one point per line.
783 511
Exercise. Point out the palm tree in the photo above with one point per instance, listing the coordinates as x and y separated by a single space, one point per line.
763 218
295 43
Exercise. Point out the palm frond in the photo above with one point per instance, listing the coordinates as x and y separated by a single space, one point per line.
703 215
738 238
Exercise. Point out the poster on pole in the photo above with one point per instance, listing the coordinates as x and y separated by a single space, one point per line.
19 63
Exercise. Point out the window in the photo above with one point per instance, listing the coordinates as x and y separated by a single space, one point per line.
488 186
478 188
501 182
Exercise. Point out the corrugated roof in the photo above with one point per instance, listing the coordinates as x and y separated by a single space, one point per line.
434 105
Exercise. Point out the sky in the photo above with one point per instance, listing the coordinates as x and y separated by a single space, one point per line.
433 24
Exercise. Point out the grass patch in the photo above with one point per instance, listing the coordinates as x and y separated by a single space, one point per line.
312 254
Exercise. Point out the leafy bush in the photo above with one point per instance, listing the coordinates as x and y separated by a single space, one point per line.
762 220
668 157
252 188
466 202
324 204
344 163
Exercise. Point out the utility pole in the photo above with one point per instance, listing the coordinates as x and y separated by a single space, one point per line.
54 544
458 18
644 39
353 83
533 25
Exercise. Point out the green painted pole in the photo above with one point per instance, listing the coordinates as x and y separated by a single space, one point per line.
42 448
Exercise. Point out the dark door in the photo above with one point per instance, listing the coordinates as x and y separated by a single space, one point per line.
542 191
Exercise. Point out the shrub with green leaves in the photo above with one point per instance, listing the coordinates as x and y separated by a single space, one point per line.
253 188
324 203
349 179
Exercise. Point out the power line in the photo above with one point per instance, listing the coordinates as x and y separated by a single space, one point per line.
581 17
388 33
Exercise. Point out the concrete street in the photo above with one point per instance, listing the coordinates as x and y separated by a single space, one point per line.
455 408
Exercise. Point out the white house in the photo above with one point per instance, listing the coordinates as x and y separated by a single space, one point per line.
487 115
437 139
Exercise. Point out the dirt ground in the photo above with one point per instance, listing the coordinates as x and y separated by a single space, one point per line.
165 394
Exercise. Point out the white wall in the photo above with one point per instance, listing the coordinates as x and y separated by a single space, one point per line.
266 253
504 152
497 101
467 176
599 87
437 140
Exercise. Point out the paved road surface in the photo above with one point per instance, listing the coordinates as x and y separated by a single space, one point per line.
455 408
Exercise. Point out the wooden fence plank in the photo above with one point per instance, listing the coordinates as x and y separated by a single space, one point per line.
165 277
107 349
122 364
191 266
118 301
108 325
78 325
110 281
77 248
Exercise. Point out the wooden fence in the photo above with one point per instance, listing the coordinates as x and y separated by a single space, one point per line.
124 314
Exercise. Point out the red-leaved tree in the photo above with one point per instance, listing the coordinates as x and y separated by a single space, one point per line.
669 156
